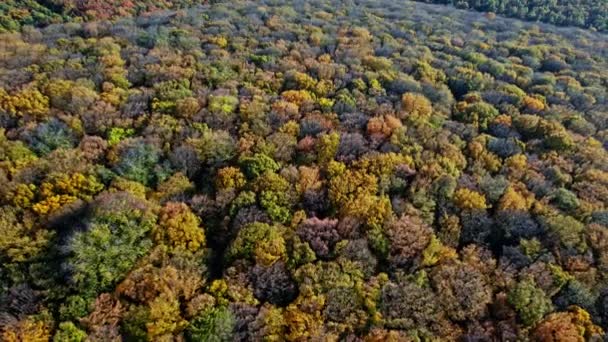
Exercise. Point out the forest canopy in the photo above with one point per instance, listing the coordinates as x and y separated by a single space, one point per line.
301 170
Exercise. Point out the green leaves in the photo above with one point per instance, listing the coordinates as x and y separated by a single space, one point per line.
115 237
213 325
530 302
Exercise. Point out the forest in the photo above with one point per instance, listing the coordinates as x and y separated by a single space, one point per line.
319 170
14 14
592 14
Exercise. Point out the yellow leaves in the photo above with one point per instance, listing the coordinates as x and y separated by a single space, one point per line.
350 185
297 97
469 200
112 94
134 188
435 252
327 147
383 164
62 189
29 101
78 184
230 177
274 323
304 324
292 128
416 104
14 155
52 203
478 152
178 227
225 293
165 318
20 241
268 251
514 200
324 88
22 196
27 330
374 210
304 81
517 162
220 41
533 104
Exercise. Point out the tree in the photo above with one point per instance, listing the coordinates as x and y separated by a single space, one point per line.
50 136
259 240
321 235
28 101
178 227
469 200
273 284
230 177
572 325
115 237
462 290
567 230
28 329
407 306
222 108
416 104
138 162
408 237
258 164
554 135
214 325
530 302
517 225
479 114
20 241
68 332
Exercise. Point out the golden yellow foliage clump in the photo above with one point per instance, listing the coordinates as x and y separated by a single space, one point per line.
29 101
514 200
28 330
416 104
63 189
230 177
178 227
533 104
165 318
469 200
297 97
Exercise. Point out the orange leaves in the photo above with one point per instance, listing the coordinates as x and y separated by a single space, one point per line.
416 104
297 97
383 125
573 325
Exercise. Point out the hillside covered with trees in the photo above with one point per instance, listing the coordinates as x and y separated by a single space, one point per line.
319 170
14 14
582 13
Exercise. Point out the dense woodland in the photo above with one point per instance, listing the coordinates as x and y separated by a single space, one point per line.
14 14
320 170
583 13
